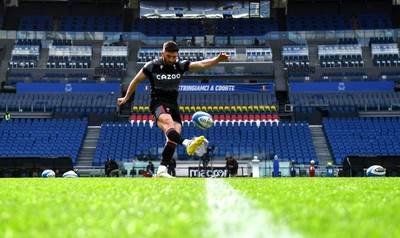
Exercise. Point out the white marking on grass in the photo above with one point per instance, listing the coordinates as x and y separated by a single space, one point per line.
232 215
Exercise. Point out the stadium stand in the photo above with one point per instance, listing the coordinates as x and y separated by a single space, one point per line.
68 56
296 61
90 23
259 54
319 22
82 103
25 54
36 23
342 55
242 139
362 136
344 101
40 138
374 21
385 54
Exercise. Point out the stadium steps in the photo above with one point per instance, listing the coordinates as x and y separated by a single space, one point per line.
313 55
321 147
44 57
7 47
367 56
12 18
3 70
96 56
280 82
276 47
96 50
132 67
86 155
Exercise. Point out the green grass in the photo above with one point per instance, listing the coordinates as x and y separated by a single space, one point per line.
126 207
330 207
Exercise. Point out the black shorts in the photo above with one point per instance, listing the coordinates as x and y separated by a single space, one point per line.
158 107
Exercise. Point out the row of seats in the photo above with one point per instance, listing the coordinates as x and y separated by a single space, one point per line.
114 62
298 68
216 117
86 111
42 137
71 79
170 27
381 40
362 136
340 77
338 22
197 9
114 56
386 60
195 27
319 22
258 54
193 54
215 99
329 109
64 42
72 23
240 139
63 76
341 61
80 62
348 41
355 99
23 61
36 23
25 54
148 55
295 52
215 109
29 42
374 21
58 101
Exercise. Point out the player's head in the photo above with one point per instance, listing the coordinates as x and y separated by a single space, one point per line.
170 46
170 52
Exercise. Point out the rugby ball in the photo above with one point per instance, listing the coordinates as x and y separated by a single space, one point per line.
48 173
70 174
202 120
375 171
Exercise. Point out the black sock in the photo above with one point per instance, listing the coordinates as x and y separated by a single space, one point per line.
174 136
168 152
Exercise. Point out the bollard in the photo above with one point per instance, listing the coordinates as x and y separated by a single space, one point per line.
256 167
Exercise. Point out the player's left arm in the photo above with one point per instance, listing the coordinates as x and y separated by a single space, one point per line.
208 63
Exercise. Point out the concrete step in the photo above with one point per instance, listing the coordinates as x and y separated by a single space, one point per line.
320 144
89 147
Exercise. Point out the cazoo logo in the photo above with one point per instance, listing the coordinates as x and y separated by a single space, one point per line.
215 172
168 76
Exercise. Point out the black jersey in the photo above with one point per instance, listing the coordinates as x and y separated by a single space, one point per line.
165 79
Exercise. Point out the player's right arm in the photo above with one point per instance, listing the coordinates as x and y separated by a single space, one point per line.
140 76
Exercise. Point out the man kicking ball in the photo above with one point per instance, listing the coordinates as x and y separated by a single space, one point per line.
165 75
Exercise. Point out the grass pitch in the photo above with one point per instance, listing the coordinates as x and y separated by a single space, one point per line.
127 207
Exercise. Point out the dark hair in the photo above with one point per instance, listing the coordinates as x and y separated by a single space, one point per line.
170 46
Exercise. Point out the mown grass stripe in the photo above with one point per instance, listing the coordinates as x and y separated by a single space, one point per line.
232 215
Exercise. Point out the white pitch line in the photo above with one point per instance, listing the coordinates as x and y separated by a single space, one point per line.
232 215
